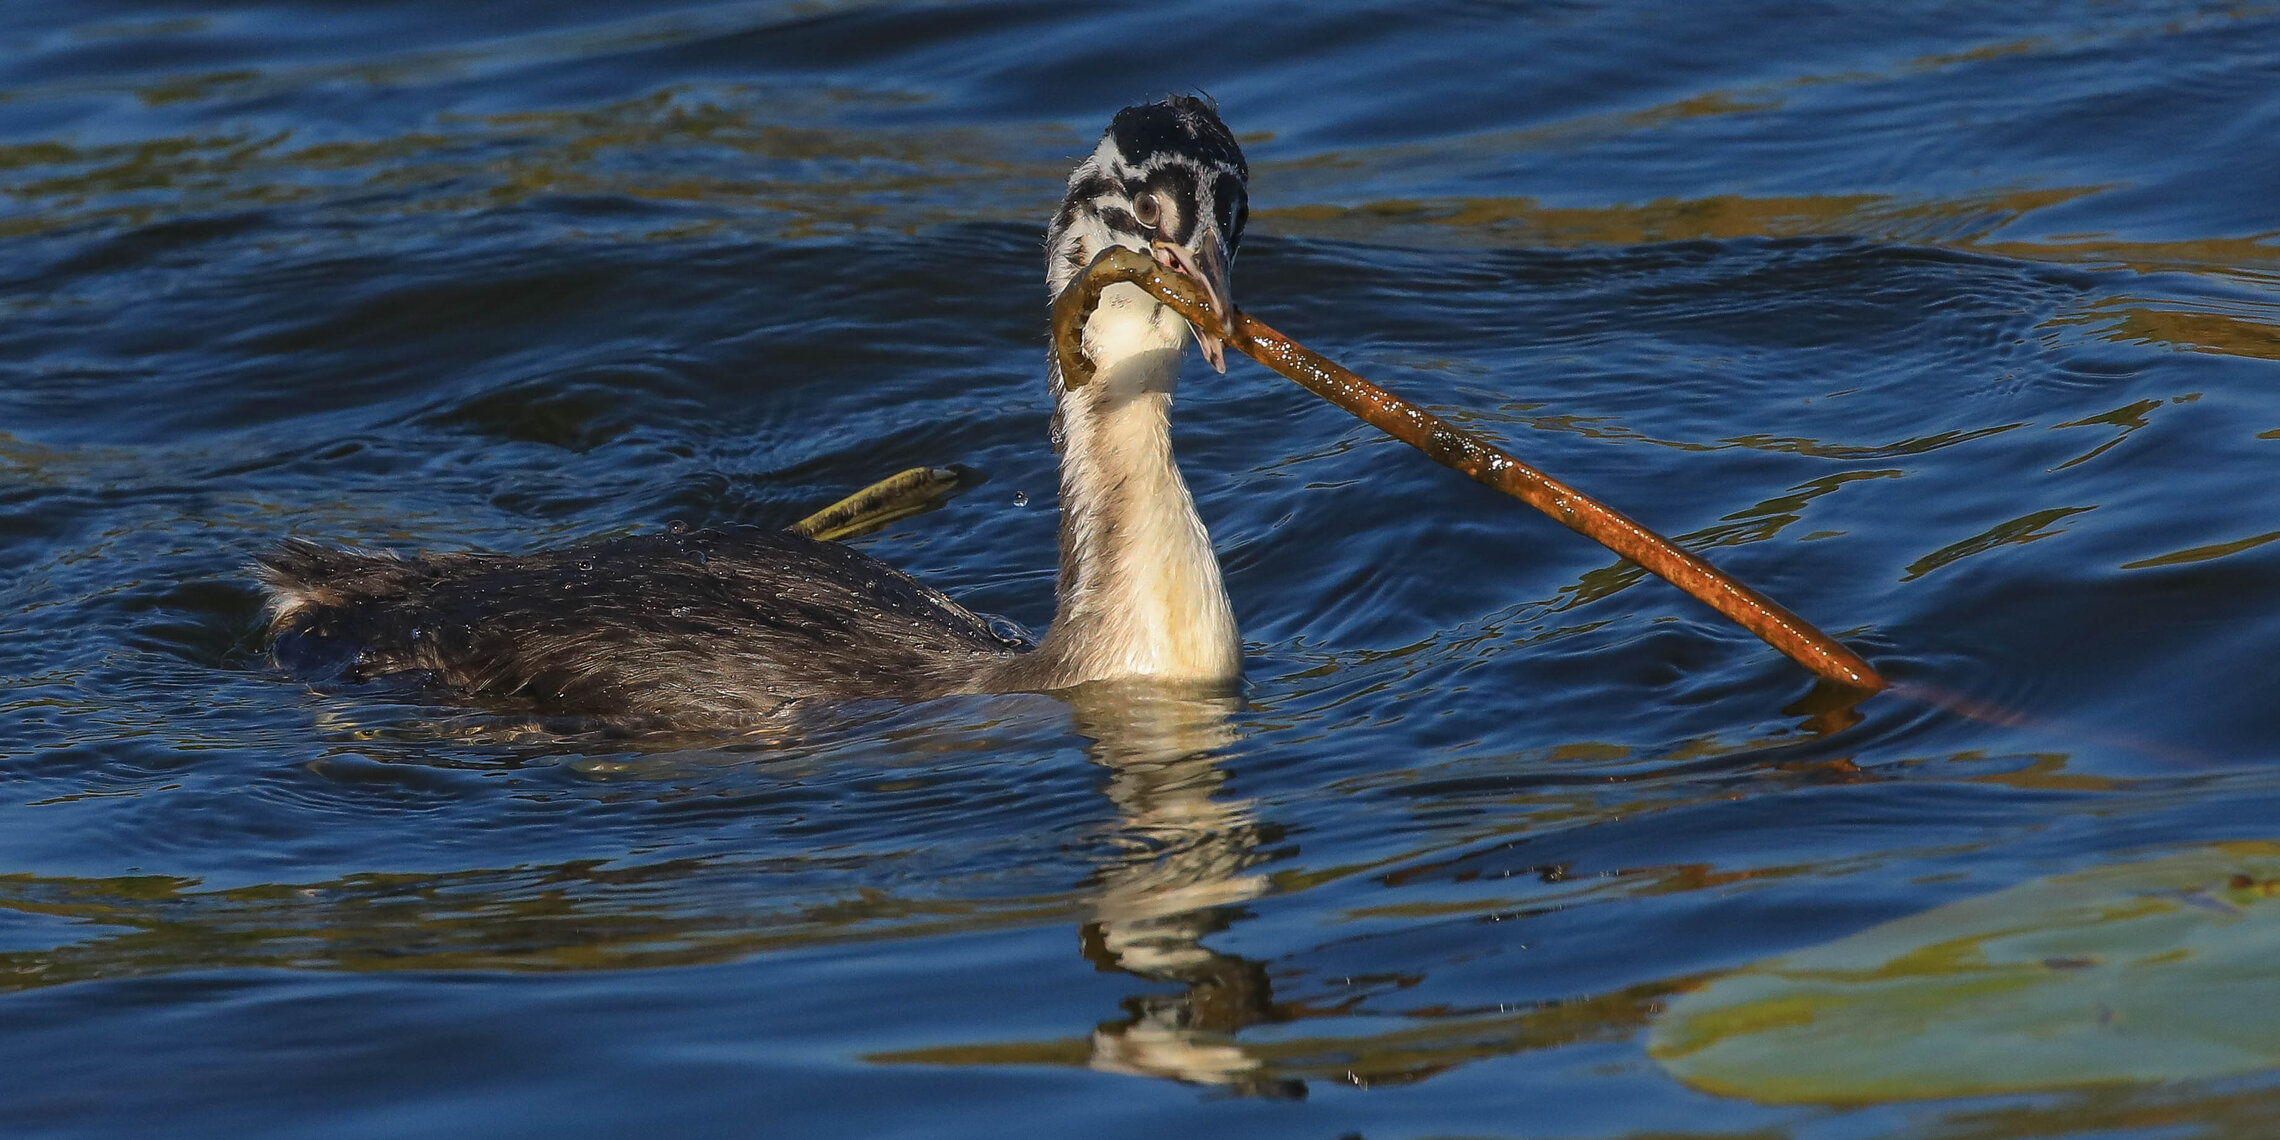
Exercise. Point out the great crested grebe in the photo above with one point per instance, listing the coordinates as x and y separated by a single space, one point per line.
744 624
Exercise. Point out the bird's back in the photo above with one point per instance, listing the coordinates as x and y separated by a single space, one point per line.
735 625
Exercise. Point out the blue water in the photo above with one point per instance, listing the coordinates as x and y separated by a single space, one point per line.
1954 327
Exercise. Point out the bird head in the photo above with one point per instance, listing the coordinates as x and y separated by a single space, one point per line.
1169 181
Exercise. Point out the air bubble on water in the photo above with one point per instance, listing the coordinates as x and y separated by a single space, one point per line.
676 526
1010 632
1021 498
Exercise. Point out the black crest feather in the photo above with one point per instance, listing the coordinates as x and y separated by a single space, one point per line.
1181 123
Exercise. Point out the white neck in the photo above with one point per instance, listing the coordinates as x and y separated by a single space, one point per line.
1140 594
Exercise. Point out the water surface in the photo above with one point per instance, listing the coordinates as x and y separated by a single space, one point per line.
1953 327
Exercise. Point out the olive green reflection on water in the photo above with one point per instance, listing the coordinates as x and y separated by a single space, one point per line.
1526 222
2197 327
1968 222
2134 972
2208 553
571 916
1526 414
2032 527
1445 1040
816 179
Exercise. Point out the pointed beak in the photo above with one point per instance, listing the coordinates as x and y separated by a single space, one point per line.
1207 264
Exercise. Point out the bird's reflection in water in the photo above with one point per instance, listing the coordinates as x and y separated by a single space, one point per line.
1184 874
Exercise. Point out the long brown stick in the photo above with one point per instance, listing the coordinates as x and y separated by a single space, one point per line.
1452 446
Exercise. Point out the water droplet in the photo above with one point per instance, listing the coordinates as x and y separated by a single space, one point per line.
676 526
1010 632
585 564
1021 498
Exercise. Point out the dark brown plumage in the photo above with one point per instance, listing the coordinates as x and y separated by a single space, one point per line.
728 626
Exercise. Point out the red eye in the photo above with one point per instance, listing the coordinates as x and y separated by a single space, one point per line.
1147 209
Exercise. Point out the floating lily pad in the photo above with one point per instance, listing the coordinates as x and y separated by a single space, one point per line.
2163 969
